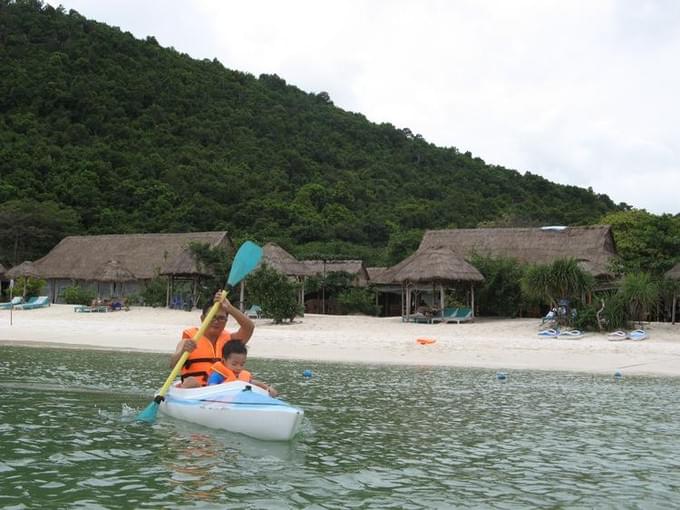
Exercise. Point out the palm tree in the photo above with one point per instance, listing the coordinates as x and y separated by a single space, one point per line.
563 279
641 292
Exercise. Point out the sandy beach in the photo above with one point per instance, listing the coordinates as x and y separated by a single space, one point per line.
499 344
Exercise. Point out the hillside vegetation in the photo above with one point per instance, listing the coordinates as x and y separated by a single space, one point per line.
104 133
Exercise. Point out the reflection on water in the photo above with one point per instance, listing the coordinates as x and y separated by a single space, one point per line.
373 437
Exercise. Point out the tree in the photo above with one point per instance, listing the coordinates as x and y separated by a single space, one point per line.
641 292
563 279
276 295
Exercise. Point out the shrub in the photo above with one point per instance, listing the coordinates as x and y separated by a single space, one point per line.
155 292
358 301
276 295
78 296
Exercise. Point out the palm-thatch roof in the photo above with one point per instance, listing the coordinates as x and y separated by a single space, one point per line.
141 255
674 273
592 246
277 258
374 272
3 269
26 268
431 265
355 268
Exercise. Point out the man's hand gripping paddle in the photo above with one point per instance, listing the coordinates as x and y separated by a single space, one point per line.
245 260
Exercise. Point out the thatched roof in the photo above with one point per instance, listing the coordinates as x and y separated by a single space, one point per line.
26 268
674 273
374 272
593 246
2 270
142 255
278 258
353 267
431 265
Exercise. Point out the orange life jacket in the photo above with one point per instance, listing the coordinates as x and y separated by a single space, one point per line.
203 356
228 374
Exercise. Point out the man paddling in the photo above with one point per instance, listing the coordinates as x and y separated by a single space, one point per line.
208 349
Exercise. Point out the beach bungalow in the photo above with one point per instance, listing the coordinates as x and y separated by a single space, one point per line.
300 270
118 265
591 246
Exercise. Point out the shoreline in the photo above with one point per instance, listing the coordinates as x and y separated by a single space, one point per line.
498 344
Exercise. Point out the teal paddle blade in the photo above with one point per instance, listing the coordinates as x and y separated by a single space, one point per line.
247 257
149 413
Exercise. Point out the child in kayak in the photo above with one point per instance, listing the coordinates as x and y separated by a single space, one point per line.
230 369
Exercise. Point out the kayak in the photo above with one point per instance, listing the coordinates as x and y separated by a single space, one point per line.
237 407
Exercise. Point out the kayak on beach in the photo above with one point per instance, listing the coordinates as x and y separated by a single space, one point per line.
237 407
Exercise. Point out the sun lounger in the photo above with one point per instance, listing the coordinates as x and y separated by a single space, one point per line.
254 312
16 300
35 302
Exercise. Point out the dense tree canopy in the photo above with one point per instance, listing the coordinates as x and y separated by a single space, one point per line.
104 133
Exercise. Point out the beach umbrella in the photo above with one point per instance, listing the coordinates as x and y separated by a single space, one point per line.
26 270
114 271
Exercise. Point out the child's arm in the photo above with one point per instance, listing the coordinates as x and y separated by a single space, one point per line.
270 389
215 378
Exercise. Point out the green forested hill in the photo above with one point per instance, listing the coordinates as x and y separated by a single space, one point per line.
104 133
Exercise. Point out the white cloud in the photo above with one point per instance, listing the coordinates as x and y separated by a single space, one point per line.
581 92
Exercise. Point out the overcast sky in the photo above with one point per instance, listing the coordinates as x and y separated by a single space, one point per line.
580 92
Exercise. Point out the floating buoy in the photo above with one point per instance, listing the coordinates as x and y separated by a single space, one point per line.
307 374
501 376
618 374
425 341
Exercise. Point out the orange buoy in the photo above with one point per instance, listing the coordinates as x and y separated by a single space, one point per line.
425 341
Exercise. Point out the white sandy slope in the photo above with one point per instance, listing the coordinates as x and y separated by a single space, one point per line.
495 344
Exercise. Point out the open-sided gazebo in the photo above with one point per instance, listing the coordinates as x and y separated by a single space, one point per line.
430 269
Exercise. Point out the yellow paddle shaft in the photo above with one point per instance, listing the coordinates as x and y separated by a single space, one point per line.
201 331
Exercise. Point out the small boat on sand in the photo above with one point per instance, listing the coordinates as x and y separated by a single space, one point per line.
237 407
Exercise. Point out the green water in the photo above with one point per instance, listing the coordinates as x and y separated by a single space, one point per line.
373 437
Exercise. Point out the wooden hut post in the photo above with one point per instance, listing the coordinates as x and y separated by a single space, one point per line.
675 304
167 292
472 298
441 298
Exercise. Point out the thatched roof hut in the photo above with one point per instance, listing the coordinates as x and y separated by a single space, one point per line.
143 255
3 269
431 265
592 246
355 268
26 268
278 258
674 273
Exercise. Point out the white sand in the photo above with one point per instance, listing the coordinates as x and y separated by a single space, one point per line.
486 343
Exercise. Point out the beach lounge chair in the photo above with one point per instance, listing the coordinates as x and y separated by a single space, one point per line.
39 302
16 300
549 333
444 314
460 315
571 334
254 312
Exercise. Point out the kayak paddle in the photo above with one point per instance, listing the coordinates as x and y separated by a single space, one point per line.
245 260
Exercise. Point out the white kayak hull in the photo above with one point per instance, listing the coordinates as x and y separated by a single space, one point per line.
237 407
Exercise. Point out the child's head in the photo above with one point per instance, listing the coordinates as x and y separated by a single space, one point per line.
234 354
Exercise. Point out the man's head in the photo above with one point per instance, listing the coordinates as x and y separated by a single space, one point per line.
219 320
234 355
